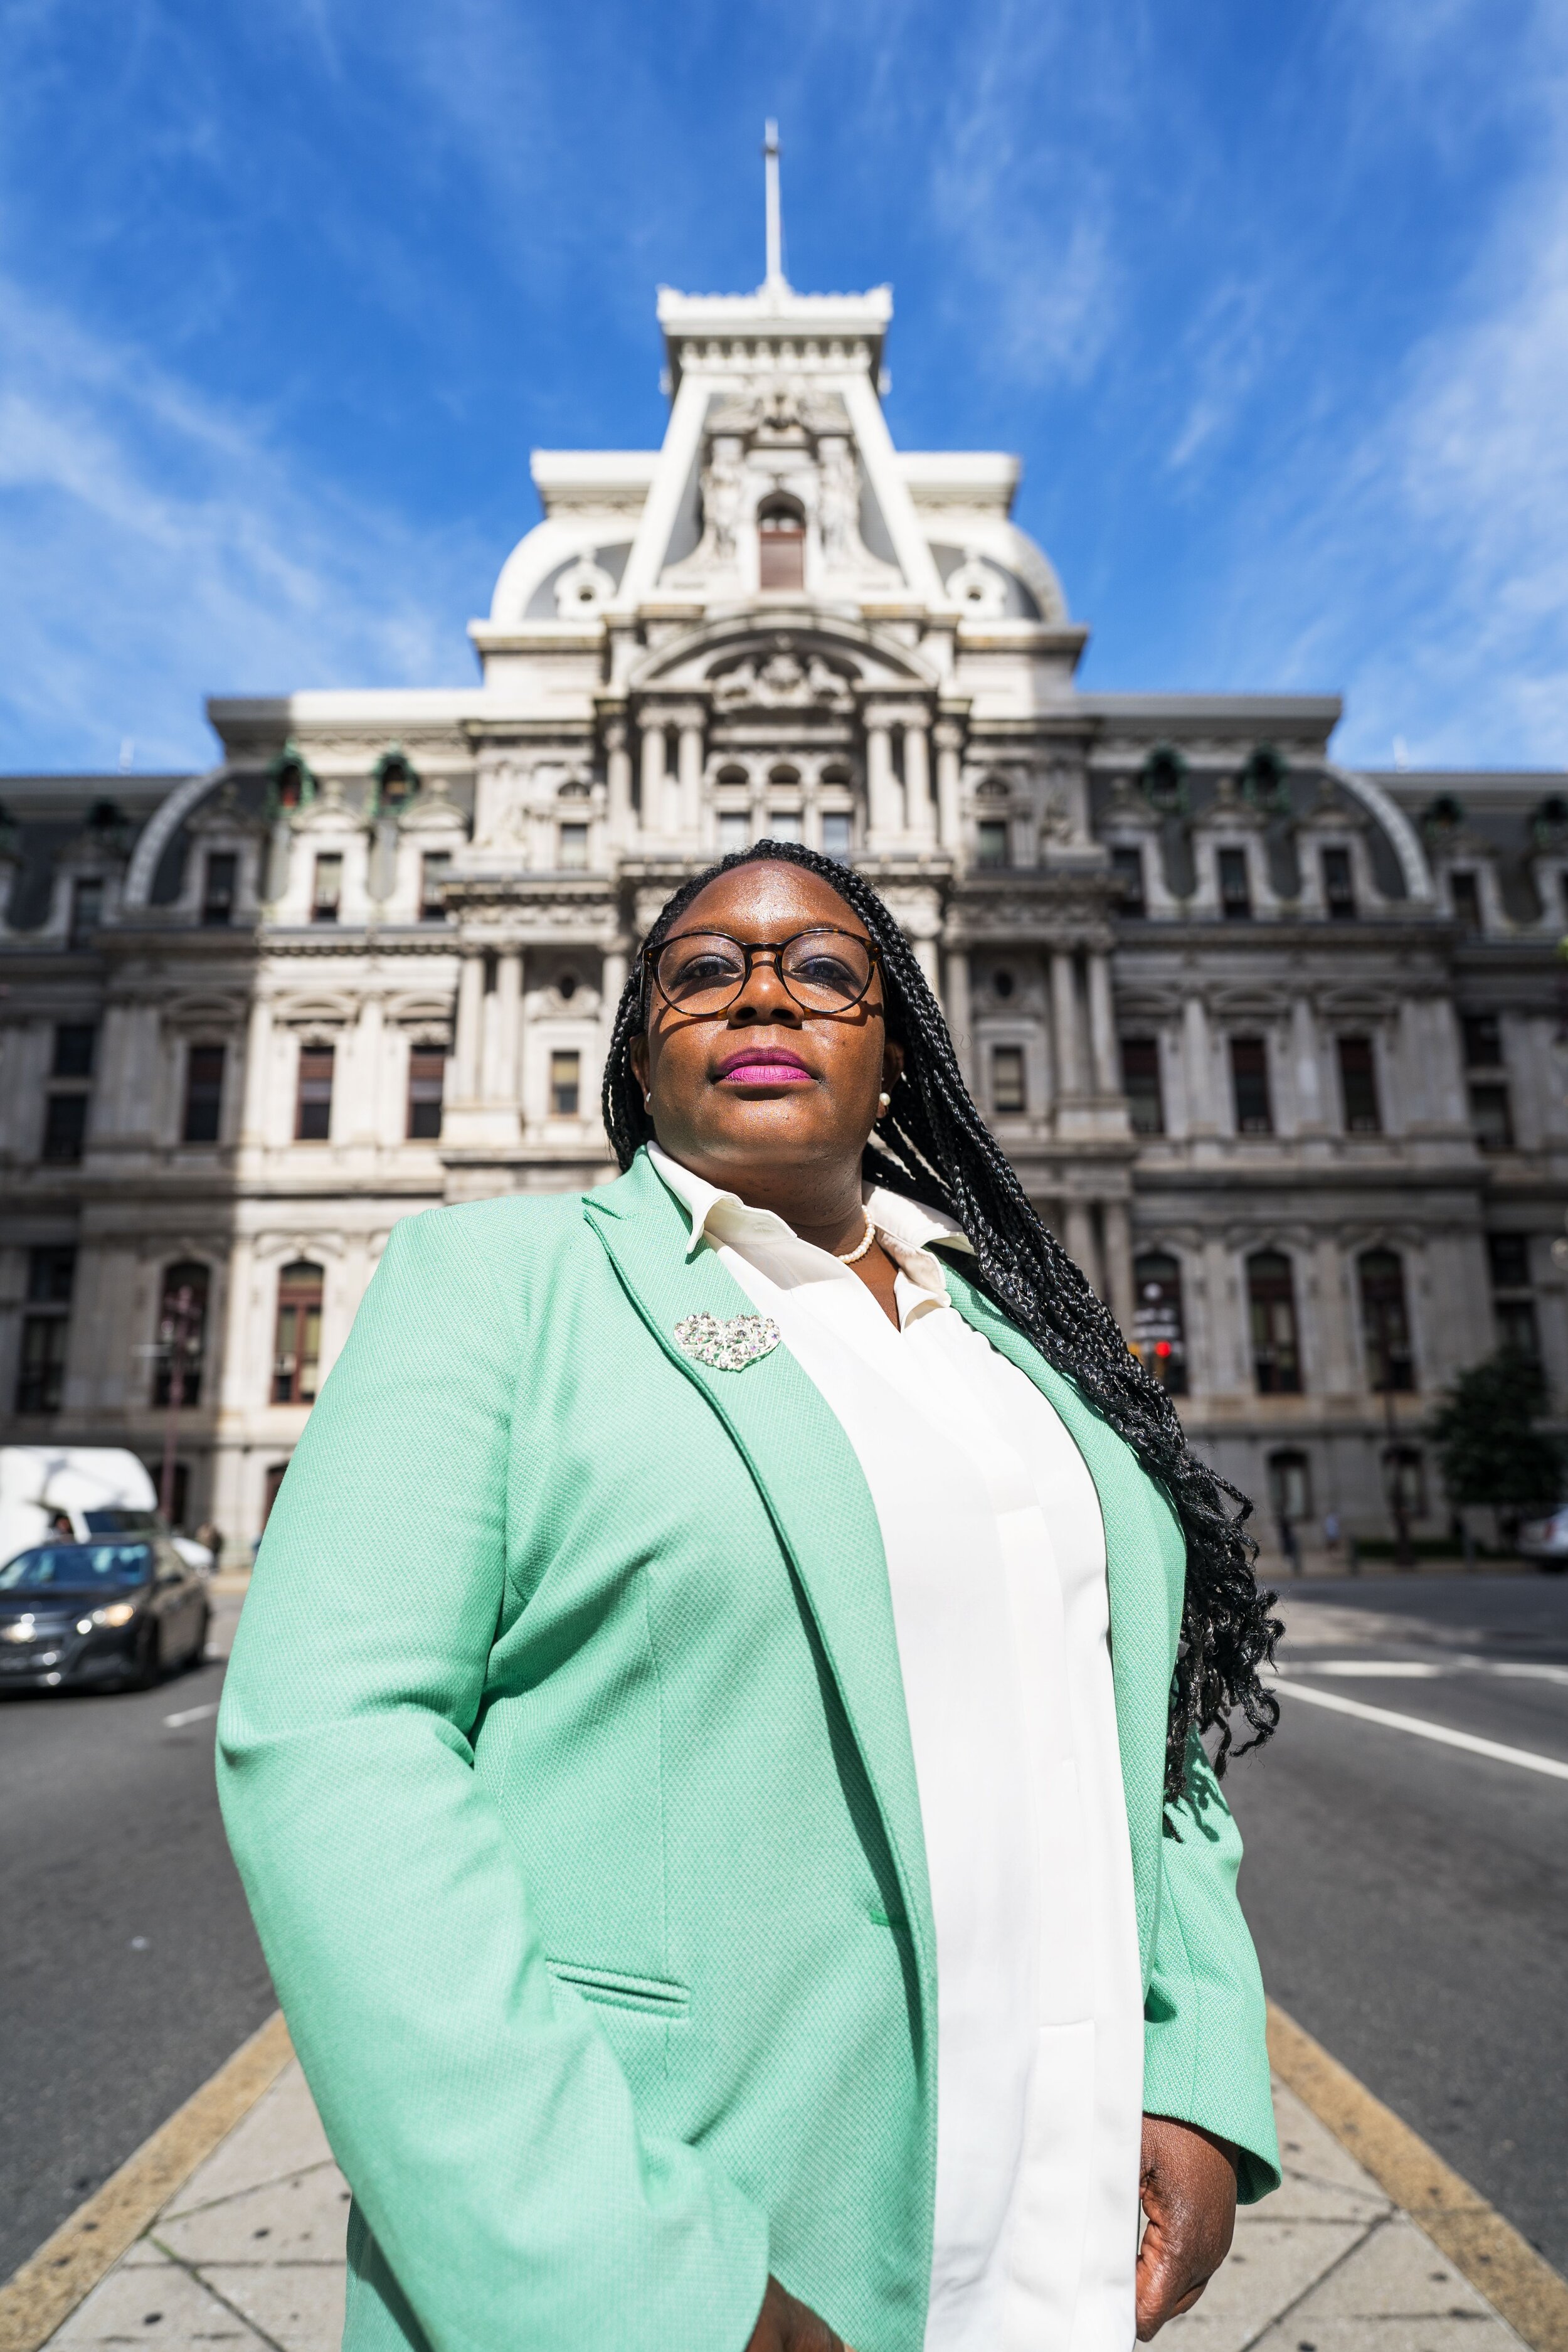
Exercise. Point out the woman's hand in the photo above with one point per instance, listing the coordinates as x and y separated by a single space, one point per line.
1188 2191
785 2325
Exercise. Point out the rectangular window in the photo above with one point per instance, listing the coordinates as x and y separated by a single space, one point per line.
426 1079
1235 889
784 825
313 1108
1141 1084
565 1084
573 850
1007 1078
1339 888
734 830
1483 1041
218 886
1516 1324
434 867
1386 1322
1272 1309
51 1274
1358 1087
1289 1486
1491 1118
203 1094
328 890
65 1128
87 911
1465 895
1127 873
1509 1257
297 1346
991 842
836 832
41 1371
74 1044
1249 1084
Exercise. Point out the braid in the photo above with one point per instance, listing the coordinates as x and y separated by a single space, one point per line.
932 1145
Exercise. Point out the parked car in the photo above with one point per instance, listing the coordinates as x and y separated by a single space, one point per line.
81 1491
1546 1540
107 1614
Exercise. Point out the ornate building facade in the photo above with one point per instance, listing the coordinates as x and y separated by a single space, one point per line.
1276 1047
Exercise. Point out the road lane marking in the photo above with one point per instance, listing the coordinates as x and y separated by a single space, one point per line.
190 1715
1428 1669
1422 1729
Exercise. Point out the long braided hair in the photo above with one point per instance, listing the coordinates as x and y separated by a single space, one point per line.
932 1145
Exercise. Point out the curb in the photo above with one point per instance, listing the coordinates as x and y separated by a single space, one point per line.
44 2292
1501 2265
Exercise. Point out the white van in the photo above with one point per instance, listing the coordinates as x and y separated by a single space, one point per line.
101 1490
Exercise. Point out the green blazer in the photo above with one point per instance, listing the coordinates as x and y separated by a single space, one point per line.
564 1756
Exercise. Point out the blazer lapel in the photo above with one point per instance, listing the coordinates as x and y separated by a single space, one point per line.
815 1492
1145 1562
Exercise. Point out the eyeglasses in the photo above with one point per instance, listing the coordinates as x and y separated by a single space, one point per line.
825 970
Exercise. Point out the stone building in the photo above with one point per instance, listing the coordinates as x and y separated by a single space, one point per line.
1277 1047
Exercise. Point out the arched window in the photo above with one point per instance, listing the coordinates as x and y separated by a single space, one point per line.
781 544
1159 1328
296 1350
1384 1322
1272 1314
180 1341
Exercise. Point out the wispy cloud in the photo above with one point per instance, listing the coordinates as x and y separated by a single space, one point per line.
159 545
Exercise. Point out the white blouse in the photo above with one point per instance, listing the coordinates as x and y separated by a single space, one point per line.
995 1558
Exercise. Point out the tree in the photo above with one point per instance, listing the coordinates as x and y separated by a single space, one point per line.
1487 1441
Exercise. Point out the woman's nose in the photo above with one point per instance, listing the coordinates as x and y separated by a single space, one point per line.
765 996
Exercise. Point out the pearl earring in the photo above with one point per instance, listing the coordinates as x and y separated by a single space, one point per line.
882 1101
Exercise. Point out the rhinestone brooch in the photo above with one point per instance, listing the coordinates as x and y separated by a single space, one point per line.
727 1347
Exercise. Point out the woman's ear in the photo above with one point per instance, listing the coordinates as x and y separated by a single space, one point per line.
892 1066
640 1071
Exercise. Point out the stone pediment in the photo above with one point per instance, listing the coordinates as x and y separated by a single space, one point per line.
808 664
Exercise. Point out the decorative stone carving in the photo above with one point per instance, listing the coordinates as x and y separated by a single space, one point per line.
583 588
782 682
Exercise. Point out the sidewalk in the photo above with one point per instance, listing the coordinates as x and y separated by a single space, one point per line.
249 2256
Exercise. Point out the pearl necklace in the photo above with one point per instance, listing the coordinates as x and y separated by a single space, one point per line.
854 1258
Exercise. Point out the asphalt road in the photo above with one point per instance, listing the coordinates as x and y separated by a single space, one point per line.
129 1968
1410 1900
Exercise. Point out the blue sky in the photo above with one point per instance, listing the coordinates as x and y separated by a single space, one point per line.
1273 302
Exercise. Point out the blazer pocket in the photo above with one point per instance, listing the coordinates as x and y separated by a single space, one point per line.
654 1996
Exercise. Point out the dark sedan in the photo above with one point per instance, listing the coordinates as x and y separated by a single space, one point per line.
106 1614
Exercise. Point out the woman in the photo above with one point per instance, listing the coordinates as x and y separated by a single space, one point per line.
709 1857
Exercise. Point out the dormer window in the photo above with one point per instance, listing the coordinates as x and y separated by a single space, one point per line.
1235 889
218 883
781 545
1464 892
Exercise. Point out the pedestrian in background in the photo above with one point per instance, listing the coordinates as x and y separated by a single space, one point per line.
713 1868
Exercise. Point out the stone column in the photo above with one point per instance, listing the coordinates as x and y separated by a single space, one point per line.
653 775
920 817
929 956
505 1077
689 757
618 773
363 1122
1118 1227
955 1005
881 785
1197 1069
469 1029
1307 1074
242 1349
252 1125
1064 1022
1102 1026
1080 1241
949 820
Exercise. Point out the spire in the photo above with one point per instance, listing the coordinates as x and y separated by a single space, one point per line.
775 282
